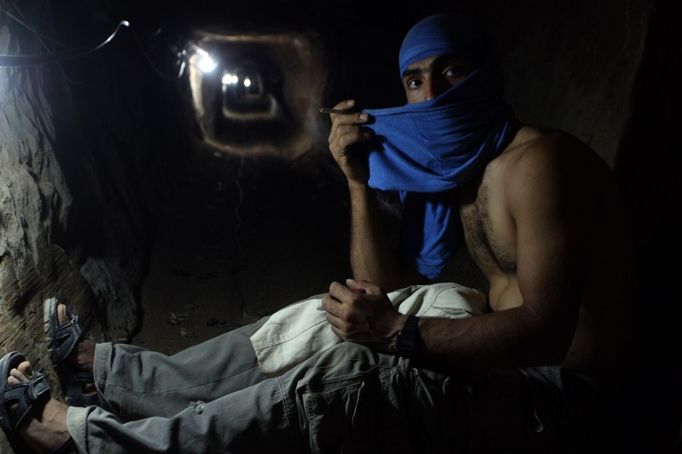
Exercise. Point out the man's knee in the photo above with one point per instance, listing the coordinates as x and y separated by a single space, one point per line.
354 355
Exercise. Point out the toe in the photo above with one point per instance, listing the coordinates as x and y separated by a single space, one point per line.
18 375
25 368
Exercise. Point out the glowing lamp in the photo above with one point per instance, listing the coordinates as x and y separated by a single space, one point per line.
205 62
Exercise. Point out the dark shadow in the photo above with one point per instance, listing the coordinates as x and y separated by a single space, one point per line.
648 165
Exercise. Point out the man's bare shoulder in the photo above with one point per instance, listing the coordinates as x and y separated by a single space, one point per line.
535 151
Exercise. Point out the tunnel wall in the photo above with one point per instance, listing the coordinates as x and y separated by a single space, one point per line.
88 155
572 64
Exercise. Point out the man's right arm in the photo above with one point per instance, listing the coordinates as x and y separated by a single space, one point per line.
371 255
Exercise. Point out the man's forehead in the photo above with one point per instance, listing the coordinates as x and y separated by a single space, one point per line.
429 62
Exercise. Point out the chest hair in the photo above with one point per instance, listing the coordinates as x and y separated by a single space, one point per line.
480 233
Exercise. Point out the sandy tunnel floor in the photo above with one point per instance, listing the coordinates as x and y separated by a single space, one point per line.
244 238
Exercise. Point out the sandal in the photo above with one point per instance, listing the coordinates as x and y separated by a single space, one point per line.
61 341
25 398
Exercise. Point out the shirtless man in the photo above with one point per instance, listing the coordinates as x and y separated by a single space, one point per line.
542 219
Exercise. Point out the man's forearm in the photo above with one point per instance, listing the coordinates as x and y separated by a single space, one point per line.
507 338
370 254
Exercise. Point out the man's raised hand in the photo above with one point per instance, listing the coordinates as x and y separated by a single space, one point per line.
347 131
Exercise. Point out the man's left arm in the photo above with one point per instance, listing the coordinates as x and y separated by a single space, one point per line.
538 331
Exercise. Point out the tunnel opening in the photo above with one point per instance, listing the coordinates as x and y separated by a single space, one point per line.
257 94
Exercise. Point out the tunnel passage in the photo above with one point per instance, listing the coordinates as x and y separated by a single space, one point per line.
261 217
256 94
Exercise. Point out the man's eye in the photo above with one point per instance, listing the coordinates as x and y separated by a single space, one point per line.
414 83
453 71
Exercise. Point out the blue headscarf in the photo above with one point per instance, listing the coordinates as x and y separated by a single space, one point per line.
427 150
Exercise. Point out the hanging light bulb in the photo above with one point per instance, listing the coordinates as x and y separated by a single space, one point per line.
206 63
230 79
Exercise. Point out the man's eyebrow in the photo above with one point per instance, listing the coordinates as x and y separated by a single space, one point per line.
412 72
441 58
435 62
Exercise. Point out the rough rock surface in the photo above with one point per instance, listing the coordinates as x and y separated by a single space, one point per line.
572 64
80 185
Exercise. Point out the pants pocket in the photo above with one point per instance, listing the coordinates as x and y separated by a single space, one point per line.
364 413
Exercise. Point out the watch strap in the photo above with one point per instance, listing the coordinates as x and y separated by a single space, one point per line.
408 337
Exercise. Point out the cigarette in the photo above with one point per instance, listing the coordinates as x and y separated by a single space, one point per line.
329 110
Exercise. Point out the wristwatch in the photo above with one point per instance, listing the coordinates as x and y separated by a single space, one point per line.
408 337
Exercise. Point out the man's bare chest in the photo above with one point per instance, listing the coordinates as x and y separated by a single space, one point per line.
488 231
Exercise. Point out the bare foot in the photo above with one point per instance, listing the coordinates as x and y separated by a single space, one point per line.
46 429
83 356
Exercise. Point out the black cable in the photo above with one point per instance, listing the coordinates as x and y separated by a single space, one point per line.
57 57
39 59
31 29
42 37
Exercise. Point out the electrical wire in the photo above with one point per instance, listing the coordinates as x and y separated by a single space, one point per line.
31 29
42 37
32 60
39 59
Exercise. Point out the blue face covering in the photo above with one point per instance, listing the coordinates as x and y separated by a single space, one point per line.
427 150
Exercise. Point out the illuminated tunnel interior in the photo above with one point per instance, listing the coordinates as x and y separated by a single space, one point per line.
169 176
